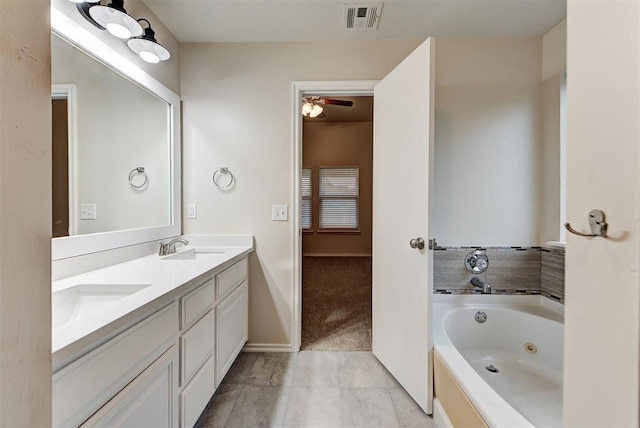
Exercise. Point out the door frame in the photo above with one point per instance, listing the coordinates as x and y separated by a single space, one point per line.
300 89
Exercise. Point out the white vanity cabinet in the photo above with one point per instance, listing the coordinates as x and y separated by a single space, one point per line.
163 370
85 385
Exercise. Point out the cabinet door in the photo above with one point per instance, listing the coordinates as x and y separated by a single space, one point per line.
197 394
231 329
150 400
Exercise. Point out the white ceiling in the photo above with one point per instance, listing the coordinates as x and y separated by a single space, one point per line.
193 21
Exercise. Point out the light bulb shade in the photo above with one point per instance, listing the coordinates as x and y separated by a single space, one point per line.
306 108
148 48
315 111
116 20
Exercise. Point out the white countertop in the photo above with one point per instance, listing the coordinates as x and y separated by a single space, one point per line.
164 278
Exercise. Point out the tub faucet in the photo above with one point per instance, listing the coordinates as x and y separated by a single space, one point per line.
170 247
486 288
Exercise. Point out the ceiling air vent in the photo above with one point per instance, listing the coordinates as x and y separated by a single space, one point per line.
362 16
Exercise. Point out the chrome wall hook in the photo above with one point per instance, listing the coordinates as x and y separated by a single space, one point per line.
596 222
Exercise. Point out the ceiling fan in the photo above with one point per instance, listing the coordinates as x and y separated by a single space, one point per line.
313 106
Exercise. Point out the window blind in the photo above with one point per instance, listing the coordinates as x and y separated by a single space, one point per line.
339 193
306 198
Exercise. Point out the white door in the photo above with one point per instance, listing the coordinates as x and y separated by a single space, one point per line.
402 177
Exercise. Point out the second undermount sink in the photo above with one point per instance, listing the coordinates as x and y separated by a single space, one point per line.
85 299
196 254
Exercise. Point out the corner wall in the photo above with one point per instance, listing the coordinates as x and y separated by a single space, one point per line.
25 214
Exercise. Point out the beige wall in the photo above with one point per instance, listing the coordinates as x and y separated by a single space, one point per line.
167 72
602 322
553 133
25 214
339 144
487 141
554 50
237 111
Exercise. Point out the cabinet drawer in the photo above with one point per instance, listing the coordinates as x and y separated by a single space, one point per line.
196 345
230 278
197 394
87 384
231 329
197 302
150 400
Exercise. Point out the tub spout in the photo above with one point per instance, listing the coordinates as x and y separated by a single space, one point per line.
486 288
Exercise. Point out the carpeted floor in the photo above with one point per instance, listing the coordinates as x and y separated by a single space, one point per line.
336 303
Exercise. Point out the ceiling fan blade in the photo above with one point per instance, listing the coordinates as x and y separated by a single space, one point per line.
321 115
344 103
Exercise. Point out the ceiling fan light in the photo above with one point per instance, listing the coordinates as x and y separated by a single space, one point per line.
315 111
306 108
116 20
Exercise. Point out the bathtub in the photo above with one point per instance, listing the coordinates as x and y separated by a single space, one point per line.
522 338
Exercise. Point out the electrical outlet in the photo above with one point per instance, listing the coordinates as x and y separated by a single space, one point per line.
87 211
192 211
279 212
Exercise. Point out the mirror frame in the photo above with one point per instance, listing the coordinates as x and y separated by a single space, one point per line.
73 246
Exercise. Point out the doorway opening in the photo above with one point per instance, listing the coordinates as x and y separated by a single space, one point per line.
329 266
336 213
63 147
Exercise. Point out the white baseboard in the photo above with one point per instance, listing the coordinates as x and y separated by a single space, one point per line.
267 347
440 417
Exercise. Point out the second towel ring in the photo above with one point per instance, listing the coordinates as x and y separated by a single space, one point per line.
219 173
135 171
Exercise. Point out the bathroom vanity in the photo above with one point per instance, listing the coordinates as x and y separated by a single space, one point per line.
147 342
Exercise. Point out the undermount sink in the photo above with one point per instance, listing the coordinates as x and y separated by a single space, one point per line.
195 254
84 299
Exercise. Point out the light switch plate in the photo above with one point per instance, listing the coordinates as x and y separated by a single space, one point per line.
192 211
279 212
87 211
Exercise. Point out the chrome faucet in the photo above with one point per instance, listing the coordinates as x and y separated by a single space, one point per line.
170 247
486 288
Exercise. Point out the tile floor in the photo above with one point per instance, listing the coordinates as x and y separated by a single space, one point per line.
311 389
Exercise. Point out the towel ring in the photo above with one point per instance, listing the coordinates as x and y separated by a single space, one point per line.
219 173
138 171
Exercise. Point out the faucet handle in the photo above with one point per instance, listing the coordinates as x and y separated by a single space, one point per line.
163 249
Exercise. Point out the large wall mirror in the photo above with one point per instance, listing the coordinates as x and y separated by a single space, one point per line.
115 147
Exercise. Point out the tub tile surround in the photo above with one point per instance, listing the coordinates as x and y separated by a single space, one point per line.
552 273
512 270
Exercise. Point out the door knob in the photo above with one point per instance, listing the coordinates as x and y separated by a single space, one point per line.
417 243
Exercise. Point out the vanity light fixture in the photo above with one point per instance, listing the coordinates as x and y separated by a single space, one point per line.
115 19
147 46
